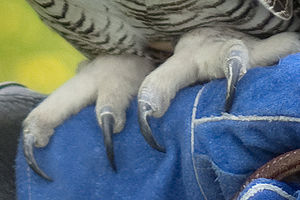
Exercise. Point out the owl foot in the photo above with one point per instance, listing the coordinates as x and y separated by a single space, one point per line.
110 81
206 54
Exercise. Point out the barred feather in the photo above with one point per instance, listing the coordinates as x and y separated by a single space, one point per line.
132 26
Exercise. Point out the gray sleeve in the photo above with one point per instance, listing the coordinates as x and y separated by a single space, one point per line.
16 102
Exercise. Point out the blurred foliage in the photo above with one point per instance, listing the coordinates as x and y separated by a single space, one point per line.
31 53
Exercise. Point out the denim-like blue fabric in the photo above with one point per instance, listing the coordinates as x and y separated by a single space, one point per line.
209 153
265 189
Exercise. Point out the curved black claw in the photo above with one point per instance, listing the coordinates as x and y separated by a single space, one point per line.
28 142
108 121
234 68
144 111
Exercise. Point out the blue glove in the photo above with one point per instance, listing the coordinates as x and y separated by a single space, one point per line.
209 153
265 189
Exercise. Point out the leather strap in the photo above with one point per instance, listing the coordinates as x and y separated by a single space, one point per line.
279 168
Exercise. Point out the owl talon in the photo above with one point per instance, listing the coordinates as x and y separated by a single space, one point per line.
234 66
145 110
29 139
107 121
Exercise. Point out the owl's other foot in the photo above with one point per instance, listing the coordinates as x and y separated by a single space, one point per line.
202 55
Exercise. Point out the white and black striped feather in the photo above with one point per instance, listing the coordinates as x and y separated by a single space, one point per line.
281 8
129 26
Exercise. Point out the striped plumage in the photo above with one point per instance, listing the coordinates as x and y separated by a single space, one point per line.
131 26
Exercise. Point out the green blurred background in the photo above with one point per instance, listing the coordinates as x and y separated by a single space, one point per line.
30 52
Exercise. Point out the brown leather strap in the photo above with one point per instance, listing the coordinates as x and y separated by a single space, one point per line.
279 168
